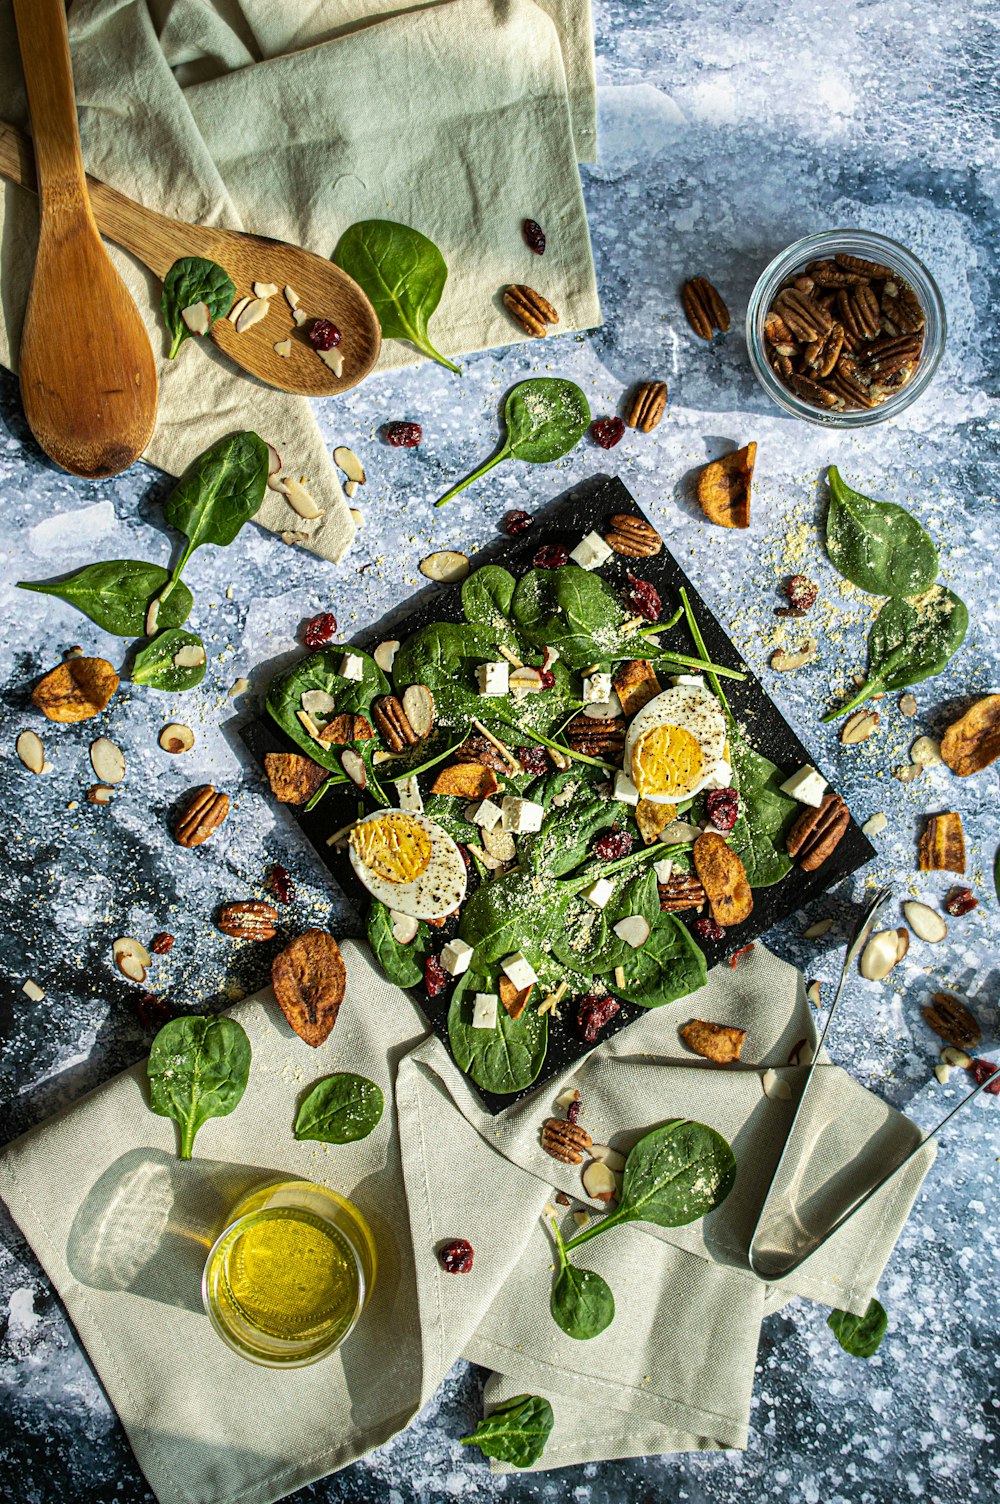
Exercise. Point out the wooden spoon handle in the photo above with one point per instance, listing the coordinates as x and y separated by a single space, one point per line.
48 77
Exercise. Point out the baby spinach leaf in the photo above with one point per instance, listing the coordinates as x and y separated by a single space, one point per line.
402 272
546 417
194 280
766 813
876 544
910 640
861 1336
198 1069
503 1059
486 600
636 895
217 494
568 828
155 667
669 965
505 915
515 1432
449 812
674 1175
320 671
116 594
582 1301
402 964
573 611
340 1110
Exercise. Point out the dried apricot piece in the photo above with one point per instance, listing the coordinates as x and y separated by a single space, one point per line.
724 879
724 488
76 690
971 743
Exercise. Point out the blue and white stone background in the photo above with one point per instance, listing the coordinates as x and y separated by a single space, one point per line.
726 132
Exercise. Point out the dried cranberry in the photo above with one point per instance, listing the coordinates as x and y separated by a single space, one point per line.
516 523
574 1110
435 976
547 677
644 598
614 844
723 807
533 759
801 592
961 901
152 1011
323 335
320 630
982 1070
550 557
281 884
607 431
403 435
456 1257
592 1013
161 943
734 959
534 236
707 929
466 858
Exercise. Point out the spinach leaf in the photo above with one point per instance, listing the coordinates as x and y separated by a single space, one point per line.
217 494
637 895
402 272
155 667
319 671
448 810
573 611
486 600
582 1302
670 965
508 914
402 964
515 1432
198 1069
340 1110
194 280
674 1175
546 417
910 640
506 1058
876 544
568 829
861 1336
116 594
765 816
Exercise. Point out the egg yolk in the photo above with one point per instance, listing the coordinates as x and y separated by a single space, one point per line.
394 848
666 760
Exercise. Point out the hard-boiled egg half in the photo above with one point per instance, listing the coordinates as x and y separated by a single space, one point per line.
675 746
408 862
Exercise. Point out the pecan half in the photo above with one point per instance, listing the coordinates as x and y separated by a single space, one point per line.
818 395
632 536
251 920
203 812
858 311
953 1021
646 405
829 274
873 270
845 383
479 749
886 357
821 355
605 739
681 892
309 980
565 1141
529 309
390 718
777 331
705 310
818 832
942 845
902 307
806 318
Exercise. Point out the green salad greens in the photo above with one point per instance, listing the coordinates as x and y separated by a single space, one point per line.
545 416
190 281
403 273
515 1432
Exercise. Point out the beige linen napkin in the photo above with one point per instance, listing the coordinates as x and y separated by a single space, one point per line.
122 1227
454 117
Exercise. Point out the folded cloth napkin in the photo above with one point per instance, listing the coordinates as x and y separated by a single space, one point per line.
454 116
122 1227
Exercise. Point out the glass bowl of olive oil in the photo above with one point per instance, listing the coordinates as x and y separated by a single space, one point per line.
287 1279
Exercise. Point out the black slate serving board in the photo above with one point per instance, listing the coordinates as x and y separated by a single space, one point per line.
565 522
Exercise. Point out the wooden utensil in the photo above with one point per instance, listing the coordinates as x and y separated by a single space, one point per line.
324 290
88 377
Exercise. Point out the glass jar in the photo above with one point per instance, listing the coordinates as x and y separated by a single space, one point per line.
871 247
288 1277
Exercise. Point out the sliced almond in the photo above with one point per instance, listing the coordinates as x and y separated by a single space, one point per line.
282 347
446 567
265 289
813 994
525 680
238 687
31 752
334 359
605 710
599 1181
499 845
908 704
177 737
107 760
418 707
633 930
581 1218
291 296
881 954
356 517
605 1155
385 654
909 773
801 1053
353 765
131 957
875 824
815 930
237 308
350 487
404 927
952 1055
197 318
152 616
784 660
775 1087
292 538
859 726
300 500
300 316
926 752
279 484
191 655
678 831
925 922
273 460
100 793
346 460
565 1098
943 1072
255 310
318 702
310 725
31 989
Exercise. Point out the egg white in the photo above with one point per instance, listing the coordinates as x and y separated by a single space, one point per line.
696 710
438 890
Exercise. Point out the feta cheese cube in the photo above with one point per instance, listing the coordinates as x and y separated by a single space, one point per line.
351 667
625 790
521 815
663 870
408 791
688 679
485 815
484 1010
597 689
591 552
494 678
519 970
807 786
599 892
455 957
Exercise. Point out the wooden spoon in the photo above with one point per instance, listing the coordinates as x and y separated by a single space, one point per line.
88 377
323 289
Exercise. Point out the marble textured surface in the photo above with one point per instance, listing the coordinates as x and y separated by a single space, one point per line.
726 133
